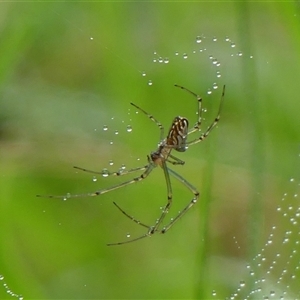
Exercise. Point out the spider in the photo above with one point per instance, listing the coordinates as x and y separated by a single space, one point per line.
176 139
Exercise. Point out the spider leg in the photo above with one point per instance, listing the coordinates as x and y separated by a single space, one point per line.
211 127
117 173
153 119
199 99
151 229
192 202
169 197
130 217
148 234
148 170
175 161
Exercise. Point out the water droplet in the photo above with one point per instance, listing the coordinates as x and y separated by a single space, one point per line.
232 45
215 86
185 56
160 60
198 39
105 172
218 74
144 74
154 60
94 178
111 142
292 179
213 293
128 235
214 39
116 132
105 127
242 283
129 128
111 162
240 53
1 277
166 60
176 53
227 39
150 82
91 38
209 91
123 167
68 195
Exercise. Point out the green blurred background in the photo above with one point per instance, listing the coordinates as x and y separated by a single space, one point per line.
59 88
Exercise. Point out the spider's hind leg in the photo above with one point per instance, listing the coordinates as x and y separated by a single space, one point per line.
131 217
149 232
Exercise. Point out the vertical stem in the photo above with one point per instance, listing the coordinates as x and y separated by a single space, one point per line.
255 124
202 268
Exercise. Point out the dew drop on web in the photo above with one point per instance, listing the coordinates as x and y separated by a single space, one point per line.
105 172
129 128
198 39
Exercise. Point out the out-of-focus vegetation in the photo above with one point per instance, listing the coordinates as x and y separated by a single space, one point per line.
68 69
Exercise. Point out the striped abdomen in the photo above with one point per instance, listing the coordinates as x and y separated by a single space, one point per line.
178 134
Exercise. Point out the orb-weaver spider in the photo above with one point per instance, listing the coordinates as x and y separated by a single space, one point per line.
176 140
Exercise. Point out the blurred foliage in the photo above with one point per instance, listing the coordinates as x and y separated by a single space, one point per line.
68 69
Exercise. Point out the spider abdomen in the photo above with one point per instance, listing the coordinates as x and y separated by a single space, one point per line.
178 134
